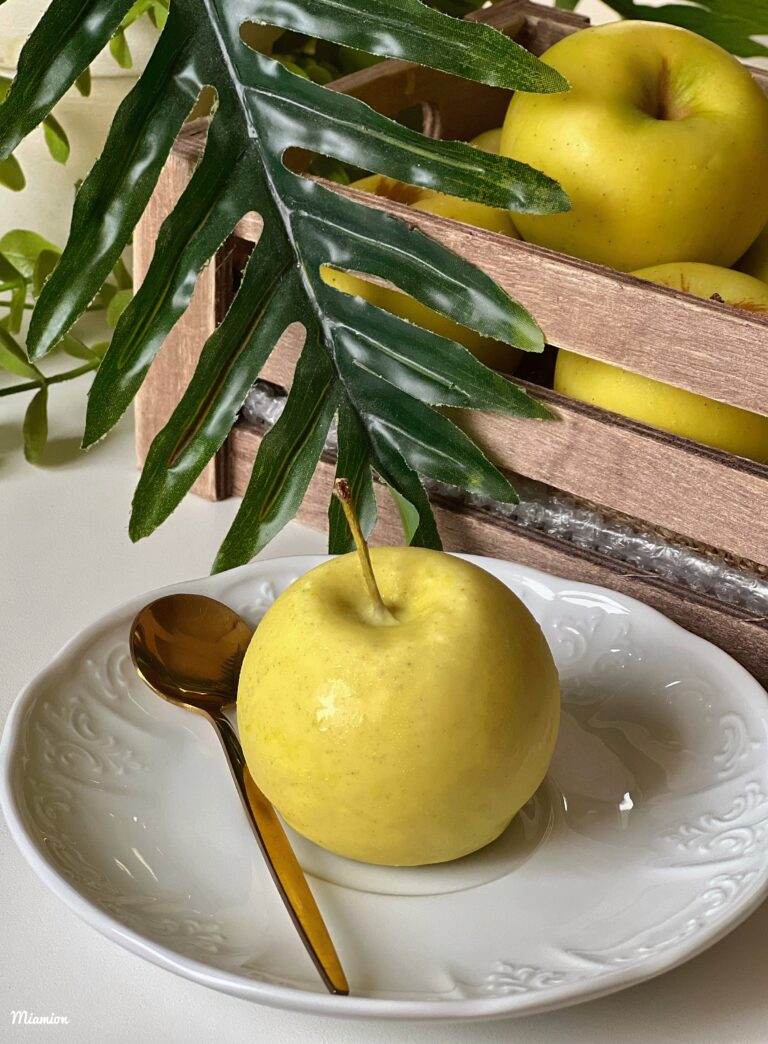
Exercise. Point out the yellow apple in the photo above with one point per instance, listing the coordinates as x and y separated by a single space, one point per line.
478 214
662 405
661 145
488 141
389 188
755 261
402 740
260 38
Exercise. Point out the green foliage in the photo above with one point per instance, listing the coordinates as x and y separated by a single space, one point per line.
36 425
11 174
118 45
26 262
382 375
733 24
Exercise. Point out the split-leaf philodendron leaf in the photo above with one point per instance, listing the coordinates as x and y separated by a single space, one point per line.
381 375
736 25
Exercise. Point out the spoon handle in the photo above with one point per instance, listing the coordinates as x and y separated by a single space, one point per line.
283 864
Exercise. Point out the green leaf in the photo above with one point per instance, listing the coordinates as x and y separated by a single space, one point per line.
409 516
229 365
11 280
11 174
120 51
83 83
68 37
56 139
45 263
9 273
384 376
115 193
13 359
159 13
208 210
427 37
733 24
15 315
354 464
121 275
429 443
36 426
117 305
286 460
423 364
22 248
419 522
78 350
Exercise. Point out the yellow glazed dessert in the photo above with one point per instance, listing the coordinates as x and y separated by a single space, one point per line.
406 741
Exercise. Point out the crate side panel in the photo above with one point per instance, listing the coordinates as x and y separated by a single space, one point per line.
175 363
709 497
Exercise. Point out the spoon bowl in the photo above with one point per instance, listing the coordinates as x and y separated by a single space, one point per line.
189 649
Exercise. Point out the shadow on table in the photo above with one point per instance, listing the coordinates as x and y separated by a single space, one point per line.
10 441
60 452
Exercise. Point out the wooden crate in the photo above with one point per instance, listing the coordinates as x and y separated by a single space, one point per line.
704 496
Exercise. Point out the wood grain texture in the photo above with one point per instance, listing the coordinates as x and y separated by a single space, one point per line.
175 362
703 494
481 532
700 345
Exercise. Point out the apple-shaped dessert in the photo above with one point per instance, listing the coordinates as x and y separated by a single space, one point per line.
661 145
402 715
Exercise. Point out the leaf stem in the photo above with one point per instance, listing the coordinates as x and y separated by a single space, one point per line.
343 493
68 375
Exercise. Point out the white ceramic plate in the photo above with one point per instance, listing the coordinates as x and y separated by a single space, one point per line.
646 844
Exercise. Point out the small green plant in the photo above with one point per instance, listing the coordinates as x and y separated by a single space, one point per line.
26 261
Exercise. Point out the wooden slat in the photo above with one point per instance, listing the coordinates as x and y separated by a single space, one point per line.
708 496
480 532
701 345
175 362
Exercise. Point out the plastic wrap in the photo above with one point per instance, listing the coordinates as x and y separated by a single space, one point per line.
559 514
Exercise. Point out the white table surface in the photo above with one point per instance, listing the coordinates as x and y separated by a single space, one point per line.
65 558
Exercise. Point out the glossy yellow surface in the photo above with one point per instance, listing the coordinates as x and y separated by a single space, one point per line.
662 405
404 744
755 261
661 145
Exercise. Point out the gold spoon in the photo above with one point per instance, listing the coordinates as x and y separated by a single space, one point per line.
189 649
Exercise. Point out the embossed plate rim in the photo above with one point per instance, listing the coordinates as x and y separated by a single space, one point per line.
292 998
